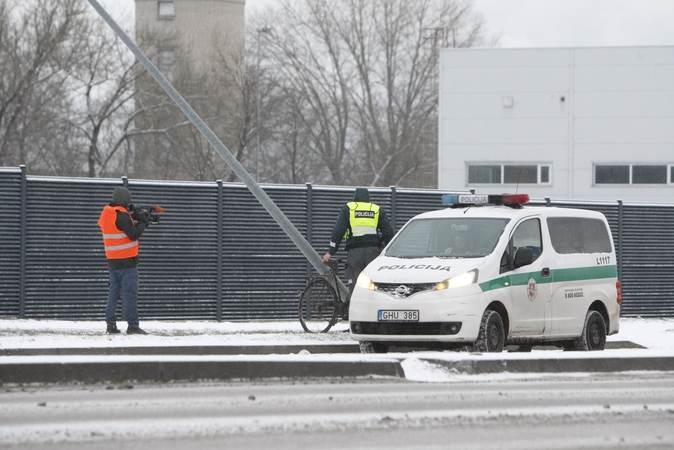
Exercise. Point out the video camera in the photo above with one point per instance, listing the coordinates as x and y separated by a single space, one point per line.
151 210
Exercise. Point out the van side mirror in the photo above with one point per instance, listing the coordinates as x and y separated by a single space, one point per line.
523 257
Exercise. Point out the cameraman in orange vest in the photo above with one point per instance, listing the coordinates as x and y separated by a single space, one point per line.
120 237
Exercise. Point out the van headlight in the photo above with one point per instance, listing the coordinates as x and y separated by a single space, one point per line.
464 279
365 282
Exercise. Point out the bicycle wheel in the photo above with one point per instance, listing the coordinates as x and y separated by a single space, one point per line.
317 306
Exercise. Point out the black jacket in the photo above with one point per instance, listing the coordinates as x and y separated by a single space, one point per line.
369 240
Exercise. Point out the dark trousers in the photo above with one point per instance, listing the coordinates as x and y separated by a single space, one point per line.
357 259
123 285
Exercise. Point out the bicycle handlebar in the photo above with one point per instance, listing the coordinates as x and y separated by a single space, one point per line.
333 264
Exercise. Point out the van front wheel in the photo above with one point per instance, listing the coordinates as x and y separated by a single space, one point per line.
492 333
594 333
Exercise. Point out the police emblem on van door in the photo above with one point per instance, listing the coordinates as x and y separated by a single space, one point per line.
531 289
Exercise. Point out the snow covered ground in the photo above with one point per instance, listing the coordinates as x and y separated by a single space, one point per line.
113 416
654 334
657 335
17 333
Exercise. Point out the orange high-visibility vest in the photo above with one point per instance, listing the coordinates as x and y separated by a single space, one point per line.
117 244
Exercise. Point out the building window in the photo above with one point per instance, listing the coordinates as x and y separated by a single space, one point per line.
649 174
166 63
484 174
166 10
633 174
520 174
509 174
612 174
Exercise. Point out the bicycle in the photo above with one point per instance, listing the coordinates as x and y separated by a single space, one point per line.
321 305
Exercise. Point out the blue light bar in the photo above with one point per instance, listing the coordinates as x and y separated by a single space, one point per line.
450 199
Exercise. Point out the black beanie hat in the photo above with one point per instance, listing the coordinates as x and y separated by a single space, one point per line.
121 196
361 195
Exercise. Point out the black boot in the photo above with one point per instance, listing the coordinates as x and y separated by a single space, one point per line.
135 330
112 329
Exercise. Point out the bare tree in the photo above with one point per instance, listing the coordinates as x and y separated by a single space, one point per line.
167 145
103 79
37 47
232 102
161 131
68 100
348 94
360 77
398 64
287 159
312 59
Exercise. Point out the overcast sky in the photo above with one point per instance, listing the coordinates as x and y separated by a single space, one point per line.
553 23
578 23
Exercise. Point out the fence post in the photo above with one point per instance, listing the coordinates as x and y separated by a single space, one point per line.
394 201
22 244
547 201
218 233
310 221
125 183
620 238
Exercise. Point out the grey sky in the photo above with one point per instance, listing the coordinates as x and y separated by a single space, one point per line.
578 23
551 23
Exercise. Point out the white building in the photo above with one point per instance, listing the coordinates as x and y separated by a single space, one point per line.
564 123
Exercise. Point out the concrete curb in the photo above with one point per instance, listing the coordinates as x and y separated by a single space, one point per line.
19 366
164 371
197 350
561 365
290 368
216 349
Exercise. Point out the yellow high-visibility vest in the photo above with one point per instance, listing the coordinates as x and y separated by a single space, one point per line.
363 218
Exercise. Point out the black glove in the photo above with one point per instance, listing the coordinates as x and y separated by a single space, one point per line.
143 216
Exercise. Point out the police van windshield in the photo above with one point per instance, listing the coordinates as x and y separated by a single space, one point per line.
447 238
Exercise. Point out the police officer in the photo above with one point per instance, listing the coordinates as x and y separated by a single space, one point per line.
460 246
120 237
360 223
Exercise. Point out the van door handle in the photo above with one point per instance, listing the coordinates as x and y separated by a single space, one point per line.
545 272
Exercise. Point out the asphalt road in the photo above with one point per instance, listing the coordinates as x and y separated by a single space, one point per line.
327 396
601 411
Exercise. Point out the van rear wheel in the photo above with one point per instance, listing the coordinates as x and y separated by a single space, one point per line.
492 333
594 333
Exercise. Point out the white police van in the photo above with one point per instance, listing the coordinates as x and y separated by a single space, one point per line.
488 272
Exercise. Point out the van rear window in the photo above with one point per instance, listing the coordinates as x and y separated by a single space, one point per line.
578 235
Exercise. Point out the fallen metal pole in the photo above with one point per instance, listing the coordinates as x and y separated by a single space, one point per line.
302 244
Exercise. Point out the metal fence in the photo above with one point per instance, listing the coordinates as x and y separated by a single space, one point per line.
216 254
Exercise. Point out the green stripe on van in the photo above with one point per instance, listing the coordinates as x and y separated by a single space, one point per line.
558 275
